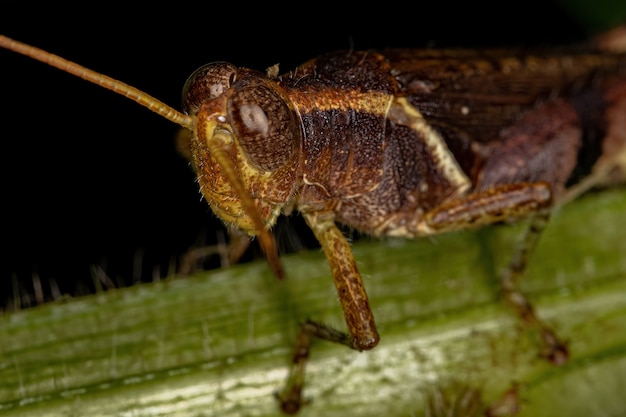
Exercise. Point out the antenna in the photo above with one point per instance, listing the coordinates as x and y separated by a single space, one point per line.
102 80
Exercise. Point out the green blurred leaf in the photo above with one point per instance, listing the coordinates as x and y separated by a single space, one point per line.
597 16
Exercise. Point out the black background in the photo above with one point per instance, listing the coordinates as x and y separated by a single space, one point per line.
90 178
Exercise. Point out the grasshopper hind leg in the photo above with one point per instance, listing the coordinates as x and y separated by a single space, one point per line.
554 349
532 201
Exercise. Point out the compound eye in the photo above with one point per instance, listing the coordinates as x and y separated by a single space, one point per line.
206 83
265 126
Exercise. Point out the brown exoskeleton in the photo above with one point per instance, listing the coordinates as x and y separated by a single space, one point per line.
405 143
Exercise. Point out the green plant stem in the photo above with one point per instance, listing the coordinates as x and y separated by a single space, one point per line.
219 343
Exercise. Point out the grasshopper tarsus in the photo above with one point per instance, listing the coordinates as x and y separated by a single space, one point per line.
556 351
290 399
508 404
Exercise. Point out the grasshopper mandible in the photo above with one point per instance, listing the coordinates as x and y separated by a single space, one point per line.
405 143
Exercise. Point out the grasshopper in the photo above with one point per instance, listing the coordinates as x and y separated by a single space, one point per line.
398 142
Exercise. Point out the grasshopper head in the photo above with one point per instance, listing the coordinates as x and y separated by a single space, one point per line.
247 144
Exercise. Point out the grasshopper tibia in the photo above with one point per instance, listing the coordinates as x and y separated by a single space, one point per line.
348 281
554 350
290 398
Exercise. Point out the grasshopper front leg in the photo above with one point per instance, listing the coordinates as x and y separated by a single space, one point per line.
358 315
362 333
